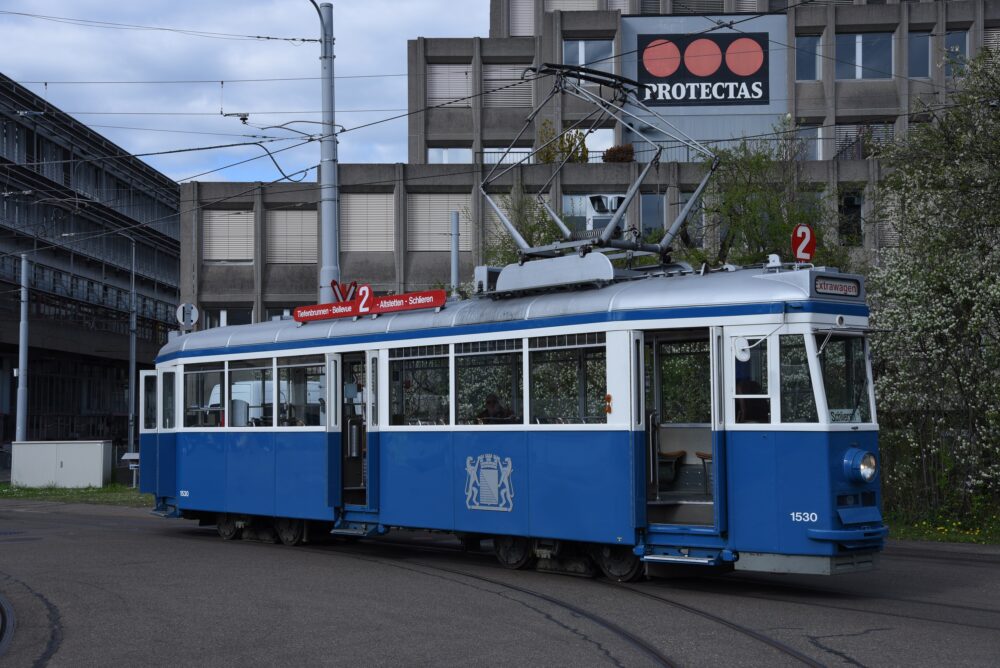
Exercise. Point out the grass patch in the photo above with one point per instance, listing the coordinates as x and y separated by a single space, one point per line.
111 495
983 532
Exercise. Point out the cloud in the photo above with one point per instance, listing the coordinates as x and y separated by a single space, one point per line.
370 35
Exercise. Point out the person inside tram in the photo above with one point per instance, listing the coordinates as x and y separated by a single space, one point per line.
494 411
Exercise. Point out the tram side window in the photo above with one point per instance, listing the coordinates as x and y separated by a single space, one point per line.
420 386
251 402
845 377
169 411
568 379
489 385
149 401
302 391
203 400
798 403
753 405
685 382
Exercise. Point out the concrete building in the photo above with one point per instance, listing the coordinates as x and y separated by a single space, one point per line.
73 201
845 75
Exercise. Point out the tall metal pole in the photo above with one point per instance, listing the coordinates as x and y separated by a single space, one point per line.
454 253
329 181
21 428
131 358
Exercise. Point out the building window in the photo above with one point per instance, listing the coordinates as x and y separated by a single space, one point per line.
849 226
449 85
919 47
449 156
652 215
597 54
858 142
224 317
522 18
503 86
811 139
597 142
699 7
570 5
864 56
292 237
227 236
492 156
368 222
807 58
956 46
428 221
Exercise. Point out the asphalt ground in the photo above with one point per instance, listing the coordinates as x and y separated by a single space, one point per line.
94 585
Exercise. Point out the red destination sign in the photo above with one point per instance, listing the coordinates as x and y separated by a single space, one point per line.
365 303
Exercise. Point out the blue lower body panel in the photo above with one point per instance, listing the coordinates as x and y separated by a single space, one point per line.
255 473
784 488
565 485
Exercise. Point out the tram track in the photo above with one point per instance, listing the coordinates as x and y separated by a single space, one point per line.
629 638
777 645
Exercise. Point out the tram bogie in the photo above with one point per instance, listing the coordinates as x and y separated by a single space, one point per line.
717 421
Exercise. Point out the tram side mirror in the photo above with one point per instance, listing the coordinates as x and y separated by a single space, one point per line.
741 348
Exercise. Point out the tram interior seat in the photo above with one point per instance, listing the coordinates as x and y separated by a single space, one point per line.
685 469
239 412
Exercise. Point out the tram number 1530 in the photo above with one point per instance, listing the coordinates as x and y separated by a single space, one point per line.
804 517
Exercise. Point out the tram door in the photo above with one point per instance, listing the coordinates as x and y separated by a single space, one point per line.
354 429
680 384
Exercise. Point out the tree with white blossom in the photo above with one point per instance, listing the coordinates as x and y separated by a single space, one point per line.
936 306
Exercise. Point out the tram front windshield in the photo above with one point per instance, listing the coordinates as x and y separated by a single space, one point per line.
844 368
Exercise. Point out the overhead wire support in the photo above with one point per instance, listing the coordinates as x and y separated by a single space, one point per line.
624 92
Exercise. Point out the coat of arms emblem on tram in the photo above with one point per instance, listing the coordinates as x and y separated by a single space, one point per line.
488 485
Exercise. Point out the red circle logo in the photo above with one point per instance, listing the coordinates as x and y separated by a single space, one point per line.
661 58
744 57
703 57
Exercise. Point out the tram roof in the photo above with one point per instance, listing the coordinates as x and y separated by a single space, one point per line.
718 289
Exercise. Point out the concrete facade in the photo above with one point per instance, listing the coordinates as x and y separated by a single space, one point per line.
463 121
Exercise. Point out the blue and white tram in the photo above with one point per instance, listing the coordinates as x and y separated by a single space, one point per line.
725 419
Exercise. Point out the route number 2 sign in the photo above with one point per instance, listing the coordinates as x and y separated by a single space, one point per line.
803 243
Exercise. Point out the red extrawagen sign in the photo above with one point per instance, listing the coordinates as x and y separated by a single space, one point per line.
704 70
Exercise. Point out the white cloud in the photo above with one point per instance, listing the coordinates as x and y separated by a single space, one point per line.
370 35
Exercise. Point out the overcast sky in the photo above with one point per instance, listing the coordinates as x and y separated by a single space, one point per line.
155 116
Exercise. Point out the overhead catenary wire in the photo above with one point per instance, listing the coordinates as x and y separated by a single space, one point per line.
109 25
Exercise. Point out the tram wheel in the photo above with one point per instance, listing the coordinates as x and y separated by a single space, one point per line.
513 551
289 530
618 562
226 526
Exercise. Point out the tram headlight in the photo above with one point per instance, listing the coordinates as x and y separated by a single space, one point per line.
860 465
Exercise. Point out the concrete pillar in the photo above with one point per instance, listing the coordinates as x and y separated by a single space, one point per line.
260 251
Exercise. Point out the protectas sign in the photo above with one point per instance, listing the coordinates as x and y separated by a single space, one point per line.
704 70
